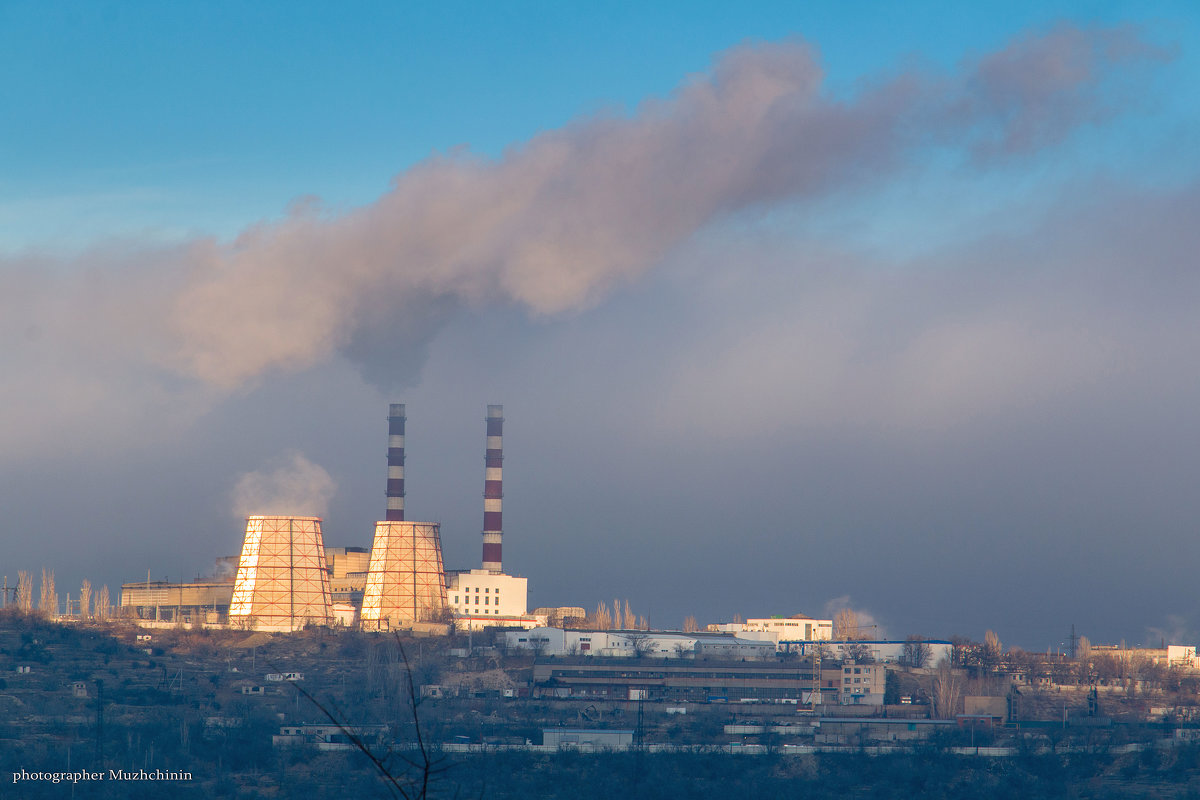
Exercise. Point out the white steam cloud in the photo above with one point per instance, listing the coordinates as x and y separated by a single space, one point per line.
289 486
868 625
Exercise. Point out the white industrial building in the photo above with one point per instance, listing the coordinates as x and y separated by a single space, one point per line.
798 627
629 644
479 598
587 739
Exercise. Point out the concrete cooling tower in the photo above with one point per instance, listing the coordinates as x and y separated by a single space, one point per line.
281 583
405 581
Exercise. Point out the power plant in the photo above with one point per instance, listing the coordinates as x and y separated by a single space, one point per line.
287 578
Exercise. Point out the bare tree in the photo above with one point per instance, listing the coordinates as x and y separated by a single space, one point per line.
992 649
642 644
916 652
845 625
629 621
859 654
103 608
947 690
1084 651
601 620
25 592
48 602
413 780
690 625
85 599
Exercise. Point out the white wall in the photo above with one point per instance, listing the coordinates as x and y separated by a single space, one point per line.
479 593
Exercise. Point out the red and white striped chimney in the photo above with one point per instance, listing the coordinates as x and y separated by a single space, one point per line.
395 455
493 490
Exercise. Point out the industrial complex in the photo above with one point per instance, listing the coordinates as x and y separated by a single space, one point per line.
287 578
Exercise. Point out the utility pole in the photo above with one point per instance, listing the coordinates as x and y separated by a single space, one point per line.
100 724
816 693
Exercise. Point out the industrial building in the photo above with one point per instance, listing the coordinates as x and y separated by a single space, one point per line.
406 580
282 582
863 684
286 577
480 598
685 680
629 644
798 627
347 573
189 603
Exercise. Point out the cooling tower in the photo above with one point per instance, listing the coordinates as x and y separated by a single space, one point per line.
281 584
405 581
395 456
493 490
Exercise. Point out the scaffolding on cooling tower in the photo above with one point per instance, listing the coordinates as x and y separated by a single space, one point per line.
405 580
282 583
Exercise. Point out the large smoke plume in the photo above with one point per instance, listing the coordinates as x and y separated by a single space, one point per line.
550 226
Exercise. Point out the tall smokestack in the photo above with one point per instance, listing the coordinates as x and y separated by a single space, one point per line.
395 478
493 491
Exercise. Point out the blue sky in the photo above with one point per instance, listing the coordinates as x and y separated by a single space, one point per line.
173 119
821 358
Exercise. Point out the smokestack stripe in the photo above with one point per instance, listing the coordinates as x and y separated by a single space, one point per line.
395 477
493 490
